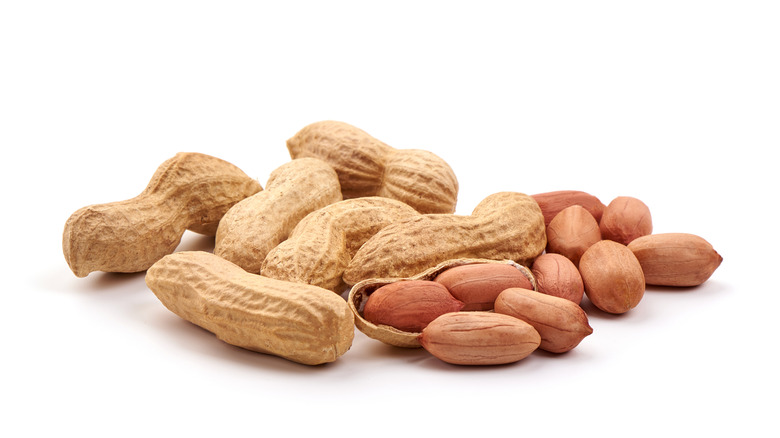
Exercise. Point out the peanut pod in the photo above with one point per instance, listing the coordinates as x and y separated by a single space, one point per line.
504 226
369 167
322 244
188 191
254 226
301 323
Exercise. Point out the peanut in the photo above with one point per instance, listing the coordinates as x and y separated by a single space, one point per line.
561 323
360 292
557 276
613 278
505 225
369 167
675 259
479 338
188 191
409 305
254 226
298 322
322 244
478 285
625 219
571 232
552 203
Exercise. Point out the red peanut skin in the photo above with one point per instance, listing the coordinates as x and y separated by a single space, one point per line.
561 323
625 219
478 285
409 305
557 276
572 232
552 203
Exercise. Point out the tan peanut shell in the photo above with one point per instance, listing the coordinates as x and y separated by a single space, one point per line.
369 167
188 191
571 232
298 322
557 276
479 338
409 305
675 259
478 285
359 293
254 226
322 244
505 225
613 278
552 203
561 323
625 219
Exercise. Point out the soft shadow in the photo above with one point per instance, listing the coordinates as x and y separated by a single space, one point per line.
594 312
708 287
192 241
195 339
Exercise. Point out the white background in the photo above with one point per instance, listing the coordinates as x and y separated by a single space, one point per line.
673 102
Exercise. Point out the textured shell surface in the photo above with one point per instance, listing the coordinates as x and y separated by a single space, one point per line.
188 191
301 323
322 244
254 226
505 225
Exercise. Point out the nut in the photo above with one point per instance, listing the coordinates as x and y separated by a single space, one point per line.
478 285
254 226
571 232
561 323
552 203
359 293
409 305
188 191
675 259
625 219
369 167
505 225
557 276
613 277
479 338
322 244
298 322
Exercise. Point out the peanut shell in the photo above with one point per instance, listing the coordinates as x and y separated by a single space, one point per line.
504 226
254 226
188 191
321 246
369 167
301 323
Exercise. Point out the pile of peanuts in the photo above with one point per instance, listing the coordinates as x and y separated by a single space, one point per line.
351 215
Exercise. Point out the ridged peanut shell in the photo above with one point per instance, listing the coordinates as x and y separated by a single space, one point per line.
504 226
298 322
613 278
571 232
369 167
552 203
359 293
675 259
479 338
625 219
254 226
188 191
561 323
321 246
